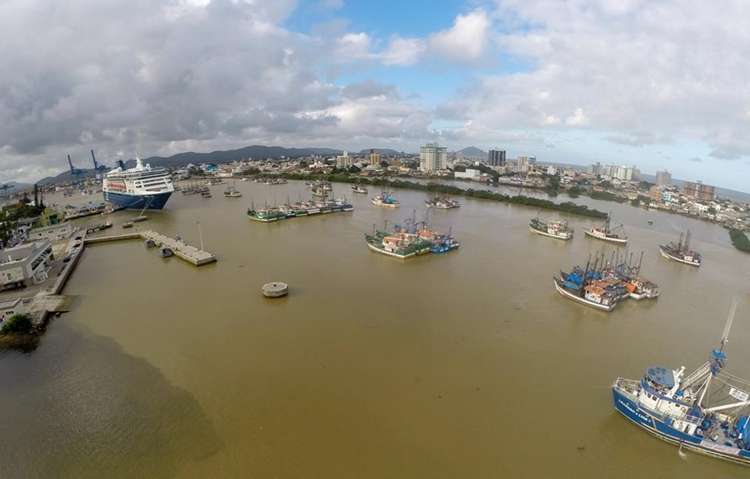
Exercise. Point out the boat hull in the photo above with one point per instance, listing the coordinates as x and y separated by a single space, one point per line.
677 259
550 235
396 255
620 241
567 294
655 426
150 202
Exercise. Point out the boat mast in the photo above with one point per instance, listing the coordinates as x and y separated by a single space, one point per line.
718 358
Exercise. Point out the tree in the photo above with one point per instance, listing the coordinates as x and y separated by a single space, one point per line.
18 323
635 202
553 185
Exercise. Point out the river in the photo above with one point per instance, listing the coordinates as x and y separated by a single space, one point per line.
462 365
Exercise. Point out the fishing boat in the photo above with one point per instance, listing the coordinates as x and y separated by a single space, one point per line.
552 229
639 288
265 215
705 411
604 283
442 203
400 245
681 251
607 233
359 189
386 200
98 227
321 189
592 295
276 181
443 244
232 192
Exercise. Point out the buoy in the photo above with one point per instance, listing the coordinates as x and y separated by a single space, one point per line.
276 289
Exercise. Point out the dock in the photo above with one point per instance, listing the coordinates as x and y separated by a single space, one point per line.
184 251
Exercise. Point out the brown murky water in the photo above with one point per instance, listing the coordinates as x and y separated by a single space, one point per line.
465 365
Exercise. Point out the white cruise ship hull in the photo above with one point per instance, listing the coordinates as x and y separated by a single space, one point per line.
126 201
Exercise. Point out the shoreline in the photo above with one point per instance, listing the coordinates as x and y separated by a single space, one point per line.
565 207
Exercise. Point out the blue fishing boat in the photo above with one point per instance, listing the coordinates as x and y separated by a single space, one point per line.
705 411
444 244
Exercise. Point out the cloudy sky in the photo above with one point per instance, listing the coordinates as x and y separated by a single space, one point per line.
655 83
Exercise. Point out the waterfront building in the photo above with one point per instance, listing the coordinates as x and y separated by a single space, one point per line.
432 158
663 178
496 158
699 191
343 161
373 158
623 173
655 193
468 174
25 264
57 232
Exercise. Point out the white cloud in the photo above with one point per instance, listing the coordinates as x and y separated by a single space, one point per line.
352 47
204 76
674 68
403 51
577 118
465 40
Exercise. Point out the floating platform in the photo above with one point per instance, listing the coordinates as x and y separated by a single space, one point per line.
277 289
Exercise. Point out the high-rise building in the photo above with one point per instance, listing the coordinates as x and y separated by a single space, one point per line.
699 191
374 158
432 157
663 178
523 164
343 161
496 158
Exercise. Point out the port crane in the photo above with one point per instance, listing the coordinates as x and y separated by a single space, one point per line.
97 166
73 170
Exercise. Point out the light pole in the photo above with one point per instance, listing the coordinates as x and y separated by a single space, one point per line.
200 233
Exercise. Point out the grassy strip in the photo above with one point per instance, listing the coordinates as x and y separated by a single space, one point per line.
566 207
740 240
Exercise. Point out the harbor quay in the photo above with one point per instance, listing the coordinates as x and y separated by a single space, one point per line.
182 250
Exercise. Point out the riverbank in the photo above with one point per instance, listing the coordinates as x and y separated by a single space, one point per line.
565 207
740 240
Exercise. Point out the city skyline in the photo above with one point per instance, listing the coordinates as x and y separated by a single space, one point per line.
580 82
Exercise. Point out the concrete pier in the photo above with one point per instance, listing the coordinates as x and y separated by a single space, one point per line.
191 254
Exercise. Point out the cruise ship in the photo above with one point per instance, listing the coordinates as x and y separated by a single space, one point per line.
141 187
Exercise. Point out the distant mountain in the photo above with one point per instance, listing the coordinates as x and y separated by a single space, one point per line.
256 152
225 156
381 151
472 152
12 187
66 177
